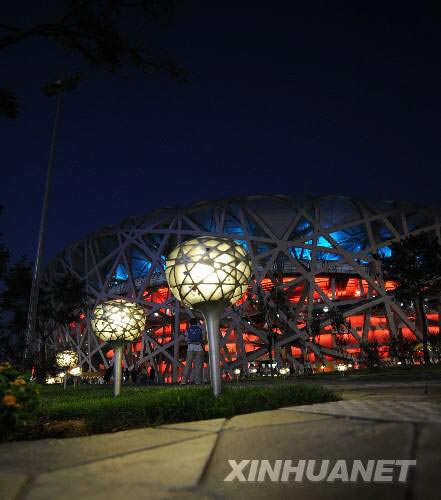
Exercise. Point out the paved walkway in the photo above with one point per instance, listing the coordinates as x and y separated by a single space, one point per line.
190 460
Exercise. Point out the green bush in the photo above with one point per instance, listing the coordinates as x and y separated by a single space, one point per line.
18 399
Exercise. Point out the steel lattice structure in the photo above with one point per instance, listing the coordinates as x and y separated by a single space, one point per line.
317 250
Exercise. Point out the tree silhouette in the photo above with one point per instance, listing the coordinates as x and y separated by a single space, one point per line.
435 343
371 353
14 304
415 265
60 303
99 31
4 254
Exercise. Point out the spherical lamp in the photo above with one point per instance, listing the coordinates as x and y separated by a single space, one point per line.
118 321
207 270
209 274
66 359
75 371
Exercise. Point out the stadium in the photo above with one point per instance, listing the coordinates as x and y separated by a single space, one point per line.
312 259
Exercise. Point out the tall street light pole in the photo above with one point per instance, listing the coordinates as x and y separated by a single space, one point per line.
55 88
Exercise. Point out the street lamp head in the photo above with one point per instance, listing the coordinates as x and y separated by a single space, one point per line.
62 84
118 320
66 359
208 269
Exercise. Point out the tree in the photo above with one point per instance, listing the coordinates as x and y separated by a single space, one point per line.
341 328
14 304
60 303
435 343
371 353
402 348
4 254
415 265
99 31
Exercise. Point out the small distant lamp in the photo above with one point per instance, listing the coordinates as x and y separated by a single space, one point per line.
208 274
75 372
66 359
118 321
237 373
284 371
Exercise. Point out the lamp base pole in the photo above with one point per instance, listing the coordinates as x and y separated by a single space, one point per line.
212 312
117 367
65 378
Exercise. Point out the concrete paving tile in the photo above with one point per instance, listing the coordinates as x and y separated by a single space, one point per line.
272 417
52 454
174 495
331 439
10 484
213 425
421 393
394 411
428 456
145 474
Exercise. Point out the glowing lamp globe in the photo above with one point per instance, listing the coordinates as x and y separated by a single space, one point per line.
118 320
208 274
66 359
75 371
208 269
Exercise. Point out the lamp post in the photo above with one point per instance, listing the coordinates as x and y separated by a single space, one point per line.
51 89
75 372
66 359
208 274
117 322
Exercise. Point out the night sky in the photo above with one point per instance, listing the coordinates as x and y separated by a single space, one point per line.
282 97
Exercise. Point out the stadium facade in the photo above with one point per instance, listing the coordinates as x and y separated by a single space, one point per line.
311 257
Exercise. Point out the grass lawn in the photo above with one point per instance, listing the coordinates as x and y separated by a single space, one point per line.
93 409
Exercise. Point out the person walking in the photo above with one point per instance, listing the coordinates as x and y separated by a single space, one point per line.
195 352
152 373
134 375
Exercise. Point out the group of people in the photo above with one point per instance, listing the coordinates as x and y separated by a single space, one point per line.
193 372
194 338
140 375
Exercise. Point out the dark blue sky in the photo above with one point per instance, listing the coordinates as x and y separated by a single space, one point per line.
327 97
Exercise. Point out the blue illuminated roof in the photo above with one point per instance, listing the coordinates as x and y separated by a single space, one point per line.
140 266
